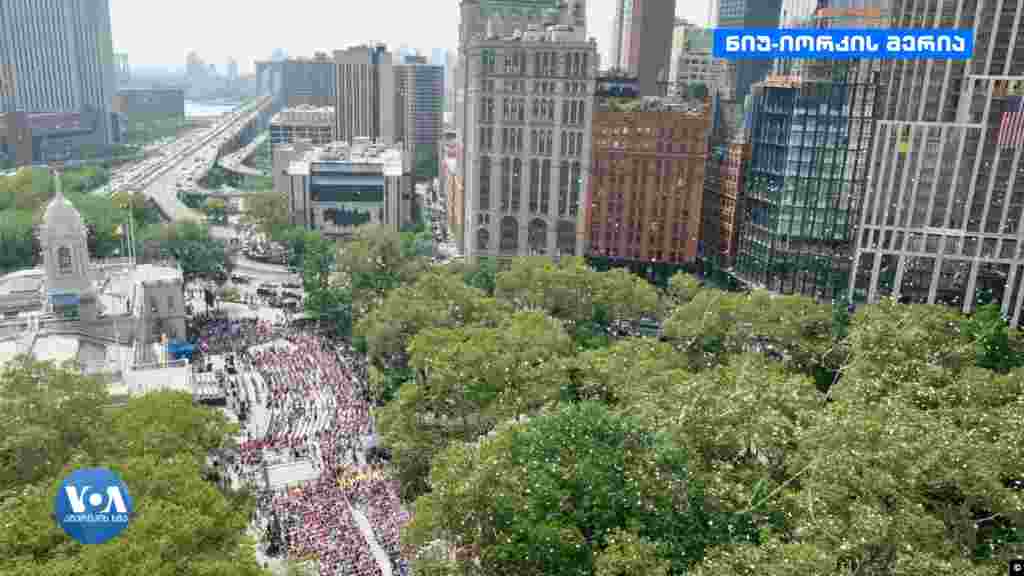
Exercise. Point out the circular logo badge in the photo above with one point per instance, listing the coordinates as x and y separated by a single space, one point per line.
93 505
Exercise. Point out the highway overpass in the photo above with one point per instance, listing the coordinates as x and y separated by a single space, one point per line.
235 162
229 134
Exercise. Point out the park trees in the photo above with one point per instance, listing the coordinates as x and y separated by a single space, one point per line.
157 444
574 490
468 379
268 211
437 299
191 246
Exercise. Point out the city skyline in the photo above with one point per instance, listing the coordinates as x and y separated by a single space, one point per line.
423 26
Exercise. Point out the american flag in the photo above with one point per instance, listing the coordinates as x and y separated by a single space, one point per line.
1011 128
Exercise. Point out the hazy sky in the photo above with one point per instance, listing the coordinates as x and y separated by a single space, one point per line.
162 33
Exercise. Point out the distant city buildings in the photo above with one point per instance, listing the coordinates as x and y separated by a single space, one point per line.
339 188
642 42
137 104
365 94
692 60
747 14
305 123
300 81
56 57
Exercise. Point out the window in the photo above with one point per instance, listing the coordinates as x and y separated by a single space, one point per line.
170 303
64 260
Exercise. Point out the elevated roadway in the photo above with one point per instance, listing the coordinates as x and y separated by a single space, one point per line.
235 162
197 154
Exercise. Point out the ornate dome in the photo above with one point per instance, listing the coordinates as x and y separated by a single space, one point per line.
61 217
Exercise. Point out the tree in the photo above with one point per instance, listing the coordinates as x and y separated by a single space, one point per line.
436 299
327 300
469 379
19 248
375 264
714 325
268 211
191 246
548 495
157 444
988 330
216 210
586 300
39 434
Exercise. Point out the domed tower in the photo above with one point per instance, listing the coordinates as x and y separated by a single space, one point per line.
63 240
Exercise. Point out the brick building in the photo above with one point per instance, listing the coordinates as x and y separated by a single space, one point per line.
645 198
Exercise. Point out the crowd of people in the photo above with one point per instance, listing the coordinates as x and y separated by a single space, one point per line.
314 408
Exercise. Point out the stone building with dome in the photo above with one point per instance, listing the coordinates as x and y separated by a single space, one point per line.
107 316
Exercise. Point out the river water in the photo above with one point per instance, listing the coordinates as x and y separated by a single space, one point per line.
208 109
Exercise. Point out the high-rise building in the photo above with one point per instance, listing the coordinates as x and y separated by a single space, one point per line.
58 56
748 14
941 220
644 202
524 132
642 42
419 95
300 81
365 94
232 69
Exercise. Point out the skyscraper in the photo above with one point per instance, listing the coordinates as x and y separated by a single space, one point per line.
941 219
642 42
419 95
364 104
748 14
58 56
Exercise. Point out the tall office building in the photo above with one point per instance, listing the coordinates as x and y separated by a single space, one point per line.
524 136
642 42
57 56
365 94
941 220
300 81
419 95
748 14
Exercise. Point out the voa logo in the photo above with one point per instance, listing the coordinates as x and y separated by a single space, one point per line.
93 505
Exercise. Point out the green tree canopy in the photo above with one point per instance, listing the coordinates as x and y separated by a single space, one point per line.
191 246
555 495
157 444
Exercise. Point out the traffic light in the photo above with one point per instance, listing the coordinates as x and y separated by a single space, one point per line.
1017 567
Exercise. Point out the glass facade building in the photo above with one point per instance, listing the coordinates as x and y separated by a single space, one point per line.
809 149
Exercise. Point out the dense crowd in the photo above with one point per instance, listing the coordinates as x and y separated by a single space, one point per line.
313 399
215 333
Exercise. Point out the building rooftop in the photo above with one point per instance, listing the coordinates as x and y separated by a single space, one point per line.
305 115
147 273
359 151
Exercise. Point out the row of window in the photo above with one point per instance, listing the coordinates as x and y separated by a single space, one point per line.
545 64
539 87
570 184
537 237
